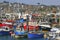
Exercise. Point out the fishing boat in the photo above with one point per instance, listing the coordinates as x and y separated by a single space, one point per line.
45 26
54 34
4 31
5 28
19 32
34 32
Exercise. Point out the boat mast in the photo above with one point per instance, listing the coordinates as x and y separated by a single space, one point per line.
27 22
21 16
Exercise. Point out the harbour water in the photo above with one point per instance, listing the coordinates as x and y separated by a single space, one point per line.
11 38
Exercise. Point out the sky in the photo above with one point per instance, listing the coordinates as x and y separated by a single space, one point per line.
34 2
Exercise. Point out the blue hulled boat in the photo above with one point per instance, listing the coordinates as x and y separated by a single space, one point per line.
35 35
4 31
34 31
19 32
5 28
18 28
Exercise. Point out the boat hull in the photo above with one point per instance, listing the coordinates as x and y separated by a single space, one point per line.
32 35
44 28
19 33
4 32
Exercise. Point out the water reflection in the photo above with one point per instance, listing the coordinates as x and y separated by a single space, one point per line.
12 38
